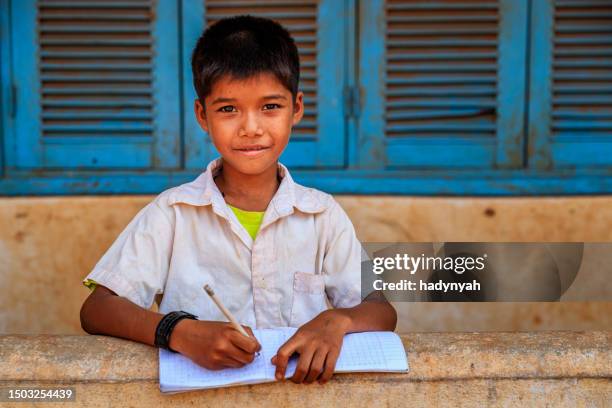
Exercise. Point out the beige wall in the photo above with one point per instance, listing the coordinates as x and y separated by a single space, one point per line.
48 244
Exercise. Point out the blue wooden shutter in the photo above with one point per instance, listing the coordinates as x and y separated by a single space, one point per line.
319 139
97 84
443 82
570 115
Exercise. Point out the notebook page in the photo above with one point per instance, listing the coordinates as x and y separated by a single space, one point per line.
179 373
372 352
361 352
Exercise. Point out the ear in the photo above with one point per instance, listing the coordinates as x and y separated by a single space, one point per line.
200 113
298 108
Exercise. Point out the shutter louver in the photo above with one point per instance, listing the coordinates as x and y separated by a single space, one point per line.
98 85
441 69
582 70
96 69
300 19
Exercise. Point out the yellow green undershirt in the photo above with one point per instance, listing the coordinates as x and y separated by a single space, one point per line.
250 220
90 283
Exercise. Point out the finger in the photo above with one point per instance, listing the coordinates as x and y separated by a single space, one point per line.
316 366
230 362
303 365
248 344
248 330
239 355
281 359
330 364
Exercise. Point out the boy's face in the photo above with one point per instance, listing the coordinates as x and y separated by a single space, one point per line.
250 120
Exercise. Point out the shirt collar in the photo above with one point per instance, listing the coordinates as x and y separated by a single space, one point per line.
204 191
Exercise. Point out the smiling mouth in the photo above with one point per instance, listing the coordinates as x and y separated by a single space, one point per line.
252 150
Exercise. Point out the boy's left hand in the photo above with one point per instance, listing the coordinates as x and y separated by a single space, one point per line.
318 344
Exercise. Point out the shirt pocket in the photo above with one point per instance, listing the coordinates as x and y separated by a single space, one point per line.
309 297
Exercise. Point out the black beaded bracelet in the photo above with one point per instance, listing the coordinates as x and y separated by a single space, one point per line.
166 325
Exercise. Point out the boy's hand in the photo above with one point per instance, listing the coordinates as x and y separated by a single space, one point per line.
214 345
318 343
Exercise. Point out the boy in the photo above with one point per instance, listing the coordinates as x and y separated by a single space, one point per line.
275 252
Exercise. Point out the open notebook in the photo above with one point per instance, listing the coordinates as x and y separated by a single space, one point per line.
361 352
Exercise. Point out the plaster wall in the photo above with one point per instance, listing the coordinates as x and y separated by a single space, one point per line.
48 244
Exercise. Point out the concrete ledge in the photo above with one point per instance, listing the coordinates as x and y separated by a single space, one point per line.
447 369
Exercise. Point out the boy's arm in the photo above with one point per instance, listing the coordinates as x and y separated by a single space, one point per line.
375 313
319 341
103 312
213 345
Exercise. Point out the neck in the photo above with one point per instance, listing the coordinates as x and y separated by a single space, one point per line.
250 192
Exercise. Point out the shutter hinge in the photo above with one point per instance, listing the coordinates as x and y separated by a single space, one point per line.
352 102
12 102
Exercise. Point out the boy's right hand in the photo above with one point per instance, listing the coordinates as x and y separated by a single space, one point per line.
214 345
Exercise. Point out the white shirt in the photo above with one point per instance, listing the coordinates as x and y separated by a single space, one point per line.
305 254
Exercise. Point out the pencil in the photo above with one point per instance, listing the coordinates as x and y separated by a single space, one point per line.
224 310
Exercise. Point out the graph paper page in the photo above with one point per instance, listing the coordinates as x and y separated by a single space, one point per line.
370 351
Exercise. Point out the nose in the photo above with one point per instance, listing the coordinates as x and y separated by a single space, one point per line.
250 125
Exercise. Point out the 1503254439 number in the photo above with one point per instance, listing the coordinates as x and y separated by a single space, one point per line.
14 394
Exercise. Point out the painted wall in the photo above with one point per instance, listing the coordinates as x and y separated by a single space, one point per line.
48 244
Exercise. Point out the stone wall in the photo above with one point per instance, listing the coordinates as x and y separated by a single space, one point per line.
553 369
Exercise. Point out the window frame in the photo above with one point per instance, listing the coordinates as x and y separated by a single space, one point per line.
160 150
504 151
547 152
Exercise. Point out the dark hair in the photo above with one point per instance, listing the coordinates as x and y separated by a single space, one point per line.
244 46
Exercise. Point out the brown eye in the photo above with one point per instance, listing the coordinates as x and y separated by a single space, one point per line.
271 104
223 109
